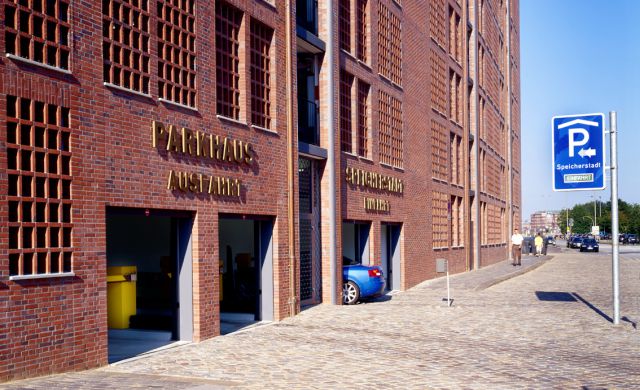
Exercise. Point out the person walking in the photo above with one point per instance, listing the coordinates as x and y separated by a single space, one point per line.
516 247
538 242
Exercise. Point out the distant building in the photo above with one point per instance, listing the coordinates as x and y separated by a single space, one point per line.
544 221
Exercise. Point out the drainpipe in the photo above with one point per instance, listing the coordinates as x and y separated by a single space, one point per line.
331 158
509 136
290 166
476 141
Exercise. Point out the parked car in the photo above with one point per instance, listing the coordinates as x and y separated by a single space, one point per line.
360 281
551 241
589 244
574 242
632 239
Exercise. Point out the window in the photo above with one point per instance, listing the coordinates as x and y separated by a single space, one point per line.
440 223
389 45
125 44
260 74
457 221
439 151
455 97
39 193
361 32
390 130
363 121
177 52
346 82
456 159
455 35
228 21
345 25
38 31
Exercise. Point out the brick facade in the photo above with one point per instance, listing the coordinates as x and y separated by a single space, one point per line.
427 102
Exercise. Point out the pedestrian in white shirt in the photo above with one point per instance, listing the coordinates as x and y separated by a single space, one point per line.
516 247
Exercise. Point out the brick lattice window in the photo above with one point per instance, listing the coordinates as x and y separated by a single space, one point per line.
439 151
384 61
177 52
437 22
125 44
390 130
346 83
260 74
345 24
363 120
38 30
455 97
361 32
438 83
440 222
456 160
395 49
39 192
228 21
455 35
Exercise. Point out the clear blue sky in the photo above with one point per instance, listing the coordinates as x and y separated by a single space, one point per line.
578 57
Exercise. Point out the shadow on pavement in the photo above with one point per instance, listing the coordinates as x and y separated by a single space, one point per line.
600 312
555 296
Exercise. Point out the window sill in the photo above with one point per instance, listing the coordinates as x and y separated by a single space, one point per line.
392 167
227 119
123 89
42 276
362 158
172 103
264 129
365 65
36 63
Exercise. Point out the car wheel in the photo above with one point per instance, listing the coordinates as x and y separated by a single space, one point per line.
597 250
350 293
581 250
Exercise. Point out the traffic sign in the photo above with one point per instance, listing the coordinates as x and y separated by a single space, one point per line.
578 152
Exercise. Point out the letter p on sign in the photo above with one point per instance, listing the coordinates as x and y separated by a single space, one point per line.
573 143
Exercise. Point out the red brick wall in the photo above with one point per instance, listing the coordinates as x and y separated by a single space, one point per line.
54 325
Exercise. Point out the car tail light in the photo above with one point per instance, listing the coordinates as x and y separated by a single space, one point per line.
375 273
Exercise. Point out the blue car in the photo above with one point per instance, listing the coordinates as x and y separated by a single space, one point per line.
360 281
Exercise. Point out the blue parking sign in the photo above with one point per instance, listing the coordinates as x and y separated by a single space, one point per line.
578 152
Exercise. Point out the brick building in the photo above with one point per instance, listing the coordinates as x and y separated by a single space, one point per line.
228 156
545 222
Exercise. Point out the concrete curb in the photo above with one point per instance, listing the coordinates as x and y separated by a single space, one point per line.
511 275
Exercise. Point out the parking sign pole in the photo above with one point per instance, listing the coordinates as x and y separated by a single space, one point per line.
614 217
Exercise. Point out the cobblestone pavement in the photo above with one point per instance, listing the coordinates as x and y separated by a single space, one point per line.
546 328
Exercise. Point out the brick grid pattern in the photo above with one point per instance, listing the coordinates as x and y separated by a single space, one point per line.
261 74
362 25
39 174
384 37
455 35
38 30
390 129
346 129
456 160
228 21
395 49
440 225
437 22
177 51
439 151
126 43
455 97
457 221
345 24
438 82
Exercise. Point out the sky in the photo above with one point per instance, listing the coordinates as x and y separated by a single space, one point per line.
578 57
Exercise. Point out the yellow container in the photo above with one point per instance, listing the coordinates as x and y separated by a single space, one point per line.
121 296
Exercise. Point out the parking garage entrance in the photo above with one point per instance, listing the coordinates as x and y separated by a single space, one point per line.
246 271
149 280
355 243
390 251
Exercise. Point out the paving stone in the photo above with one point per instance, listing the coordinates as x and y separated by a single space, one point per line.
545 325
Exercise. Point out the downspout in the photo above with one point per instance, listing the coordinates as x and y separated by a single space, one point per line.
467 127
476 141
509 137
290 165
331 157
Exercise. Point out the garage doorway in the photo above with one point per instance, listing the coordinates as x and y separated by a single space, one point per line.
355 243
246 271
390 259
150 280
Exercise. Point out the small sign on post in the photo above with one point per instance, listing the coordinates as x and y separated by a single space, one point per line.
442 266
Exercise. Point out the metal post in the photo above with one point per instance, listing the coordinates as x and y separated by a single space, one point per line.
614 217
595 207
